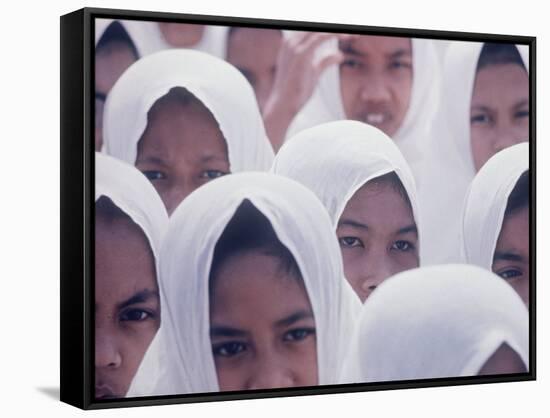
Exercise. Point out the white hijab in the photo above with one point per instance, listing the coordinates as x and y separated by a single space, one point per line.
217 84
436 322
449 167
486 203
132 193
411 138
180 358
211 42
335 159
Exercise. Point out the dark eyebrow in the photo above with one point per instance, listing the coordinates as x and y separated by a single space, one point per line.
211 157
152 160
400 53
405 230
481 107
139 297
347 48
295 317
226 332
350 222
507 256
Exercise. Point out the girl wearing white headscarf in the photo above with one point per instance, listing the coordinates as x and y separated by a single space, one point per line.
129 226
339 161
225 114
181 358
451 163
439 322
327 105
487 212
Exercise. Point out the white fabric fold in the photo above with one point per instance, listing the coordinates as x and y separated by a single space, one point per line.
436 322
486 203
180 358
217 84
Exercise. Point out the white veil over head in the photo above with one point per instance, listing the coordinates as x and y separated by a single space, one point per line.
133 193
411 138
219 86
335 159
180 358
436 322
486 203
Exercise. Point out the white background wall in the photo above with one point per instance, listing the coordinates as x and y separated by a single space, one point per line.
29 208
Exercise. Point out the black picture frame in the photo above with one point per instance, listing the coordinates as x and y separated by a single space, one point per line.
77 209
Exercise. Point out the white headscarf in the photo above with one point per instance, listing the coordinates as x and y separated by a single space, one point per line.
335 159
132 193
132 27
218 85
211 42
486 203
180 358
449 169
326 103
436 322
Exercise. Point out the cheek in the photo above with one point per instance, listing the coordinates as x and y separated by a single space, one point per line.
481 147
304 363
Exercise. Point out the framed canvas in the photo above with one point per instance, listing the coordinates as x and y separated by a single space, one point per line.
255 208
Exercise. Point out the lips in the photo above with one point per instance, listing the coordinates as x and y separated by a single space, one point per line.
105 392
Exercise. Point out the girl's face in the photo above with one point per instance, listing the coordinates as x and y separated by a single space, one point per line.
181 35
181 149
254 53
110 62
511 258
127 306
261 326
499 111
376 80
377 236
504 361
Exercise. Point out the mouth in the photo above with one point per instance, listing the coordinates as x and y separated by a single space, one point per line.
376 119
105 392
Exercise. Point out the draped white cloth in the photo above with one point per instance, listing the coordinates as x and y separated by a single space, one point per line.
180 358
486 203
449 168
217 84
335 159
133 194
411 138
436 322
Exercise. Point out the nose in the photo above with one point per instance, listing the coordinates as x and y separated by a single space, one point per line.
374 89
271 373
376 270
177 194
107 353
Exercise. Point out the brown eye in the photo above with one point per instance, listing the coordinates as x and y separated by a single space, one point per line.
349 242
154 175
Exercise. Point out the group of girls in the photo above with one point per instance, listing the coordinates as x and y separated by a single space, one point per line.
280 209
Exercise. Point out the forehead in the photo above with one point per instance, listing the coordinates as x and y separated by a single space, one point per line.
508 82
124 262
514 234
377 204
175 128
377 45
252 282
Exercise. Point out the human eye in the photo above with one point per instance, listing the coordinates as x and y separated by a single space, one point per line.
135 314
480 119
298 334
153 175
228 349
403 246
510 273
350 242
520 114
351 63
400 64
212 174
